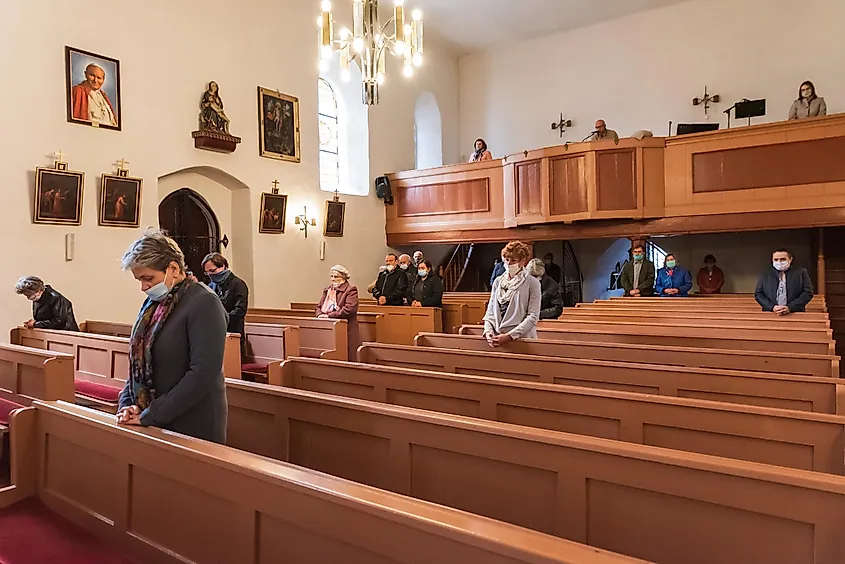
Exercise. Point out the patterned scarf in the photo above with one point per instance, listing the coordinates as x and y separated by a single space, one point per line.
508 286
149 322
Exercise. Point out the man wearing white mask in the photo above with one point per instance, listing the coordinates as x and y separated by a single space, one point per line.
392 283
409 268
784 289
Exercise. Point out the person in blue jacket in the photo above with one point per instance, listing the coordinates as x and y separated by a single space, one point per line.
673 280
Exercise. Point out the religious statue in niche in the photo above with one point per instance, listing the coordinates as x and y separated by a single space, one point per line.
213 133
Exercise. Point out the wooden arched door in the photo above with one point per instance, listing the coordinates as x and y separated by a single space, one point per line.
191 222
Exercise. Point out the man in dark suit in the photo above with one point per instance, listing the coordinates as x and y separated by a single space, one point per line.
392 283
637 277
784 288
552 270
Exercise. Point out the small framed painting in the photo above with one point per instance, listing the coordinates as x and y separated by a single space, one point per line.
278 126
272 216
335 215
93 89
120 201
58 196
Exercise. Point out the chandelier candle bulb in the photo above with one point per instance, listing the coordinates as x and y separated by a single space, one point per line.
399 17
326 28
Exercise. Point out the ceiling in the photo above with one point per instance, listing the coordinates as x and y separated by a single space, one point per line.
476 25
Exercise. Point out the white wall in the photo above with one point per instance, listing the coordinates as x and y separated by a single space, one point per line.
428 132
168 52
641 71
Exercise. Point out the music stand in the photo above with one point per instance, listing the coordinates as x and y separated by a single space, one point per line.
750 109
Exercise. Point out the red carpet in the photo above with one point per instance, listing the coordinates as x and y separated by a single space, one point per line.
31 534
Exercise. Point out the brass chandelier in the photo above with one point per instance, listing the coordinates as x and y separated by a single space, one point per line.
369 41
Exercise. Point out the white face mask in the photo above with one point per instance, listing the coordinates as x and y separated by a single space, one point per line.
513 269
403 266
780 266
158 292
390 268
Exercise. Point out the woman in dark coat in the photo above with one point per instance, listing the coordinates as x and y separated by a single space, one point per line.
340 301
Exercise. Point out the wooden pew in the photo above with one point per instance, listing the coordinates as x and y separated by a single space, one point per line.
266 343
245 508
400 324
101 362
654 503
694 310
681 303
754 361
231 353
782 391
807 441
725 300
762 320
469 307
318 338
369 324
668 336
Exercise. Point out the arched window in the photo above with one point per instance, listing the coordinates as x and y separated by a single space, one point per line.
655 254
428 132
329 137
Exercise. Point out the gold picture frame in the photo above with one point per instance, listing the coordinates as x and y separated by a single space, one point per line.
278 126
120 201
334 218
58 196
271 216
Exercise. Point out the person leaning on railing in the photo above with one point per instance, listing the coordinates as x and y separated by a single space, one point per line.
514 306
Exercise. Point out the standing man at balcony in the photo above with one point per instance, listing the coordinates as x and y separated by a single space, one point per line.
602 133
392 283
637 277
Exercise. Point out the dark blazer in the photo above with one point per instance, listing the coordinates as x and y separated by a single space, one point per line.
393 286
799 289
53 311
234 295
188 369
432 291
347 308
551 300
647 274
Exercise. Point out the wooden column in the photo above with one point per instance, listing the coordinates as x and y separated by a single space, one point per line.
820 265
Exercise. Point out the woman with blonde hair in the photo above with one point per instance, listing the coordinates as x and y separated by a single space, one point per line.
514 307
340 301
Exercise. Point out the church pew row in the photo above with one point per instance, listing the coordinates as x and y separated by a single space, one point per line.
782 391
670 336
106 328
659 504
168 499
761 319
369 324
692 328
725 299
400 323
683 303
101 362
753 361
808 441
318 338
694 310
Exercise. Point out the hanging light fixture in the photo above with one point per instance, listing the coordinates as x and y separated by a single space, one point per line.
369 42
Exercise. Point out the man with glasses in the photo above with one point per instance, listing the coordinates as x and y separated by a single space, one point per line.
232 291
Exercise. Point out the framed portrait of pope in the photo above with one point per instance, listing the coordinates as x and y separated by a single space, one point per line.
93 89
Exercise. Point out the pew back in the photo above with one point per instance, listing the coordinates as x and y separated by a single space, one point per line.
794 392
656 335
268 343
801 440
168 499
318 338
27 374
761 320
754 361
369 324
654 503
106 328
403 323
692 328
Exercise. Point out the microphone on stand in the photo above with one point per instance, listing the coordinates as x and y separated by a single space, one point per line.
588 136
670 128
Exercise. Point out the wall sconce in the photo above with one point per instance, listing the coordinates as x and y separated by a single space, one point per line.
706 100
303 221
562 124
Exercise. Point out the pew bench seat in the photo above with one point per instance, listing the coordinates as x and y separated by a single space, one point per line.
6 409
97 391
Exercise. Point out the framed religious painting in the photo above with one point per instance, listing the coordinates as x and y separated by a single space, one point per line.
92 89
335 214
58 196
278 126
272 216
120 201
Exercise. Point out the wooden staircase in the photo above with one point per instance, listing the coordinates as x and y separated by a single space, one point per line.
834 273
456 268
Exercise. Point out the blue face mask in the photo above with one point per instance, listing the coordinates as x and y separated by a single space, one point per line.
158 292
219 277
670 264
638 256
422 272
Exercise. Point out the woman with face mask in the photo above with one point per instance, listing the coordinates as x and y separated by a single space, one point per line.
427 290
340 301
176 348
808 103
232 291
481 153
673 280
50 309
514 307
710 277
